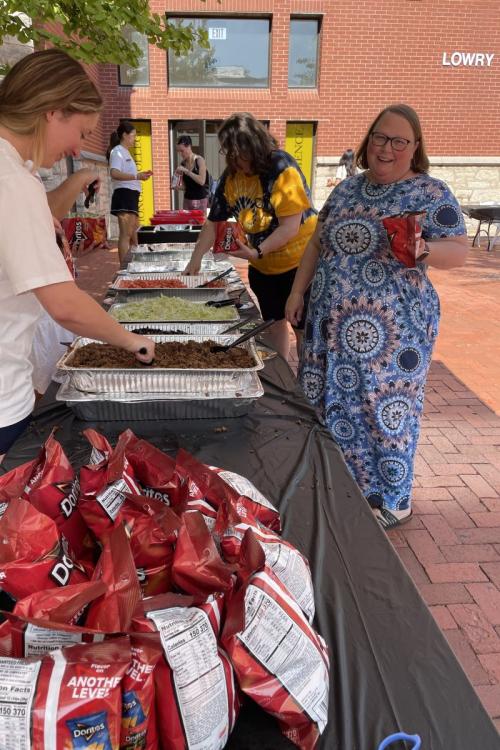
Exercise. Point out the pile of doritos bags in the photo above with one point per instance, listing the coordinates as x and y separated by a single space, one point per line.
147 596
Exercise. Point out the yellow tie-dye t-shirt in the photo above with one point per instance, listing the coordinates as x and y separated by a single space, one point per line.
257 202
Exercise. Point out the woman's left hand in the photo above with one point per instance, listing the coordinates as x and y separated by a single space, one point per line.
420 249
181 170
245 252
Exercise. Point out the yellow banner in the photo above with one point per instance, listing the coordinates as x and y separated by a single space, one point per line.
299 143
142 153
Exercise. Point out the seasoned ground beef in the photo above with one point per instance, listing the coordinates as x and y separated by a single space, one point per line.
190 355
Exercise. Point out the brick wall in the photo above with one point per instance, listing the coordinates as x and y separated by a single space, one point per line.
371 55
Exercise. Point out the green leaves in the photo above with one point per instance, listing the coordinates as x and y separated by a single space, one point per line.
96 31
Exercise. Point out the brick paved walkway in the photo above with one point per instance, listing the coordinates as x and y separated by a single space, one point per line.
451 547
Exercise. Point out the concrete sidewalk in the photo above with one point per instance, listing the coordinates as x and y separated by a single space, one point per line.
451 547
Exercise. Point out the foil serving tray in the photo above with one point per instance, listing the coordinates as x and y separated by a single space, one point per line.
119 306
152 265
191 282
189 383
174 328
162 256
158 406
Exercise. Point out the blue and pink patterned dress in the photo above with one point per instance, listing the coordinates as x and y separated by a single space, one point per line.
371 327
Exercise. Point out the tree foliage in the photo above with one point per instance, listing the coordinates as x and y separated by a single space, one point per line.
93 30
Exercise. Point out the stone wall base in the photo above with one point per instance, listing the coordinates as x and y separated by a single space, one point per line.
472 180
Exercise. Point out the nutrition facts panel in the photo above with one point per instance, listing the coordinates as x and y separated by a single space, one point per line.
17 689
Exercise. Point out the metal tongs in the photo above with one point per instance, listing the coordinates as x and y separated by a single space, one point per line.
215 278
248 335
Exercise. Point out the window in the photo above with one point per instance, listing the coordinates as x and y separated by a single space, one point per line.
303 53
139 76
238 55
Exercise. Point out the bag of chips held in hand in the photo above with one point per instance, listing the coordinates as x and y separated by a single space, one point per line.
226 234
402 231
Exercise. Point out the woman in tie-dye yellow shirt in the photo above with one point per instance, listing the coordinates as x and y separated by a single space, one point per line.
264 189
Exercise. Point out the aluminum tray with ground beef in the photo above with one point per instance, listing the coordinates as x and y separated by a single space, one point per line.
216 374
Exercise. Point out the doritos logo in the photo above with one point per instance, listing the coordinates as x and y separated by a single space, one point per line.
90 732
62 570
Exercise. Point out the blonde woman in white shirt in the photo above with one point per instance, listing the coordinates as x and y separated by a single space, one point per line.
126 185
48 106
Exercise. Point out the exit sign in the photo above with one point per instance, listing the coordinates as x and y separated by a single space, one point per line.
217 33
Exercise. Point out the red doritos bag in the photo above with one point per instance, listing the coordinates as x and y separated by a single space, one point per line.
279 660
198 568
101 448
155 472
13 483
60 605
218 485
69 699
152 529
226 234
53 489
402 231
33 553
42 622
105 485
85 233
113 611
139 730
282 558
196 699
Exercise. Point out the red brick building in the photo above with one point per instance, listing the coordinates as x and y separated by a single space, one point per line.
332 64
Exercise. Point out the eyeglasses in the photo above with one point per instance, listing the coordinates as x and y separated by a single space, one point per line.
397 143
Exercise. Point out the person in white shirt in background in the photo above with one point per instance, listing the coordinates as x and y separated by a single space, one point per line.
126 186
48 106
346 168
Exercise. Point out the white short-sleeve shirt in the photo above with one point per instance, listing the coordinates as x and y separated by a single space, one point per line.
29 259
121 160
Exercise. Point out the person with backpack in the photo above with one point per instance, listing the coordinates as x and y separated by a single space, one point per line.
195 176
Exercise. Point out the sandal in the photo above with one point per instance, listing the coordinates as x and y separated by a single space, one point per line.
388 520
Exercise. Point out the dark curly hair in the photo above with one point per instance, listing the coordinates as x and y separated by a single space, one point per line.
242 136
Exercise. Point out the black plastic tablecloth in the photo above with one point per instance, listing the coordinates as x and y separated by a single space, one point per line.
391 668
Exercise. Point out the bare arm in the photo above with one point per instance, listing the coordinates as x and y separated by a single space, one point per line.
79 313
286 230
117 175
198 178
448 252
64 195
203 244
303 277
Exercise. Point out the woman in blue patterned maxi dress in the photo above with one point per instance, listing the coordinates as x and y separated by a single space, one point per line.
371 321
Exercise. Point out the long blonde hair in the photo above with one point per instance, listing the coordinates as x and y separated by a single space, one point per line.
43 82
